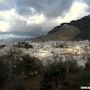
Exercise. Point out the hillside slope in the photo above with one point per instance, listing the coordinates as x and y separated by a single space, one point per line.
82 24
75 30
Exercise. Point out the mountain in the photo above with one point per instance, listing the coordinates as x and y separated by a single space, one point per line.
75 30
82 24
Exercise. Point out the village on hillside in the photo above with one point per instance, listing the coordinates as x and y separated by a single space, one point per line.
50 51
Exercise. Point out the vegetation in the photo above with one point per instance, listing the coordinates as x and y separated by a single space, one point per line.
30 67
54 76
24 45
72 66
4 72
2 46
85 75
18 85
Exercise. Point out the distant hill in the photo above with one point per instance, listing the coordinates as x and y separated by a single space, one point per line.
75 30
11 40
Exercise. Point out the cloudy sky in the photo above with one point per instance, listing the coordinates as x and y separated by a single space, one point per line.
30 18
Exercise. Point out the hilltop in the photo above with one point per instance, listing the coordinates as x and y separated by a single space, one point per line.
75 30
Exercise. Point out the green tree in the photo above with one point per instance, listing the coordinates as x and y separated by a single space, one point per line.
30 66
18 85
85 75
72 82
54 76
73 67
85 78
4 72
87 66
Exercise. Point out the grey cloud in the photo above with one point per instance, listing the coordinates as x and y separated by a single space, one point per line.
50 8
6 5
20 28
24 10
88 3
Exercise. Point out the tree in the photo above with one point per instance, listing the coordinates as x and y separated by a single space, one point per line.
54 76
85 78
72 82
85 75
4 72
30 66
24 45
14 60
46 84
18 85
87 66
73 67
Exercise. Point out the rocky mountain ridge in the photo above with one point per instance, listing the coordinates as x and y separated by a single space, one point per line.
75 30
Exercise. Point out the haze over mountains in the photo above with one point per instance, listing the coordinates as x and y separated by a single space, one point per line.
11 40
75 30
